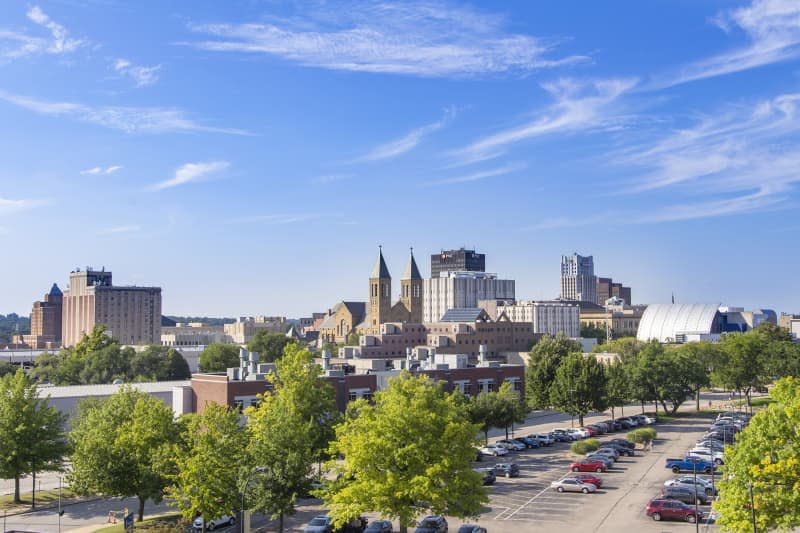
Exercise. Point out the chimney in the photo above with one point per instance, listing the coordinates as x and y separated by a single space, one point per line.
482 355
326 360
253 362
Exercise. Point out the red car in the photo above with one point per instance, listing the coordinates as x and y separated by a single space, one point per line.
588 465
592 431
589 478
661 508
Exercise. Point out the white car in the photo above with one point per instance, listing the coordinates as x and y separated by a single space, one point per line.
649 420
580 433
511 445
493 449
701 483
708 455
224 520
569 433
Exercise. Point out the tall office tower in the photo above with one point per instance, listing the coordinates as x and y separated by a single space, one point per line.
130 314
460 260
578 281
45 322
606 289
462 289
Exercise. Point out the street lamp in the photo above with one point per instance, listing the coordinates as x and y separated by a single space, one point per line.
256 470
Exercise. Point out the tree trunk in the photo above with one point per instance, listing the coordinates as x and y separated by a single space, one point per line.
698 398
486 437
642 406
622 409
580 420
506 432
403 528
280 523
141 510
17 499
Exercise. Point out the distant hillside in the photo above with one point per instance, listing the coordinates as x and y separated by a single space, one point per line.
204 319
13 324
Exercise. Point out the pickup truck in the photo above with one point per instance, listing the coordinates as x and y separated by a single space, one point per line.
690 464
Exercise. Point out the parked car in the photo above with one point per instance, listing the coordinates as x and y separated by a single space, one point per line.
597 429
633 421
588 465
319 524
573 485
578 433
684 493
690 464
711 444
624 423
608 461
379 526
528 443
511 444
561 435
660 508
597 481
222 521
708 454
619 448
506 469
471 528
493 449
488 475
432 524
615 425
543 438
592 431
611 452
701 484
623 442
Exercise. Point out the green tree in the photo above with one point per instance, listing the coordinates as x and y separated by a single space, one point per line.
743 362
765 463
289 431
509 408
545 357
31 431
6 368
119 447
158 363
618 387
407 453
208 461
700 359
269 345
218 357
481 411
643 371
593 332
46 368
579 386
353 339
106 365
626 347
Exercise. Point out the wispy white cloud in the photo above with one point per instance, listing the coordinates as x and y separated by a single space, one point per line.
128 228
15 44
772 28
190 172
141 76
481 175
277 219
414 38
578 106
124 118
95 171
408 141
8 206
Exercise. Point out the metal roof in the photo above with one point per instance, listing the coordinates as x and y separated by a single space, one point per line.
380 270
465 314
664 322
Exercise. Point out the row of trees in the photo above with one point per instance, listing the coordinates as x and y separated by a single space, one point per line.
98 358
218 357
559 377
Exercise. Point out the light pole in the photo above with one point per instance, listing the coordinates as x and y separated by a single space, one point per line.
256 470
60 512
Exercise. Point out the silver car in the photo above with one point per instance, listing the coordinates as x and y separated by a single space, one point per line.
573 485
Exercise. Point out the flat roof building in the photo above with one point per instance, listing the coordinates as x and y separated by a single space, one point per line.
460 260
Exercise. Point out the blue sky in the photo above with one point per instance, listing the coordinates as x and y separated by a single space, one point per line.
249 156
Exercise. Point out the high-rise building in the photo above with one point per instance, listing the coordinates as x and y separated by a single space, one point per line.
461 290
546 317
606 289
578 281
130 314
460 260
45 322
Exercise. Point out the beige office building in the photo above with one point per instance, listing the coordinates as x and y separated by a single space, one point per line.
130 314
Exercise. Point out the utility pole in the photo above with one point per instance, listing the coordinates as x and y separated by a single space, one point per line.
752 507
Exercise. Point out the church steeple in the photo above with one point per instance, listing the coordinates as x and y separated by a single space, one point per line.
380 293
411 290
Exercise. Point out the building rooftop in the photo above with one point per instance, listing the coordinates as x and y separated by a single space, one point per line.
107 390
465 314
380 270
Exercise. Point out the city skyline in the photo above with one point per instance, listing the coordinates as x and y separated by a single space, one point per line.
250 157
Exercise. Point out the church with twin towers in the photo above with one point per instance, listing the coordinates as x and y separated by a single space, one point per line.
380 308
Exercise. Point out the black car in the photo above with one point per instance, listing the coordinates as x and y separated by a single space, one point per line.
432 524
506 469
623 442
624 423
684 494
471 528
379 526
488 475
561 436
528 443
622 450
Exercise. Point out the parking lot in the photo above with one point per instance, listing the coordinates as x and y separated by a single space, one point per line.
528 503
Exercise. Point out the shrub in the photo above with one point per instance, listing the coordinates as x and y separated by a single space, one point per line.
582 447
642 435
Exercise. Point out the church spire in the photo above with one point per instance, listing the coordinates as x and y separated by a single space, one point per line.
411 271
380 270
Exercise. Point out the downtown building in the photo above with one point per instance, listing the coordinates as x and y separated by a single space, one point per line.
578 281
460 260
45 322
131 314
546 317
459 290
